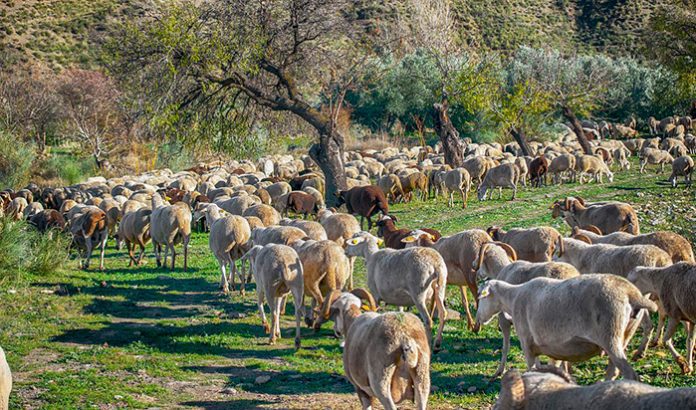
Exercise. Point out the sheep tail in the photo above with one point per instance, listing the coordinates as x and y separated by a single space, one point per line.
409 352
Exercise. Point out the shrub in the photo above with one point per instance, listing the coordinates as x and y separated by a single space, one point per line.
24 251
69 168
16 158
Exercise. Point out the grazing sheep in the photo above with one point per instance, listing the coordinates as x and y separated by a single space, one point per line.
134 229
654 156
592 166
547 388
458 180
404 277
538 168
674 286
620 156
477 168
459 252
169 225
6 381
16 207
301 202
34 208
325 268
277 271
682 167
416 181
531 244
386 356
677 247
265 213
605 258
365 201
337 301
562 164
572 319
391 186
228 240
88 228
607 216
314 230
497 260
504 175
393 236
48 219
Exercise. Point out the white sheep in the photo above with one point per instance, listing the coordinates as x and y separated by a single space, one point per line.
169 225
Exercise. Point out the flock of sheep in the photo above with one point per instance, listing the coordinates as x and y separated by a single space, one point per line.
569 298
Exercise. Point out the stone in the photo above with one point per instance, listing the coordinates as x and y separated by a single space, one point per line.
471 389
262 379
229 390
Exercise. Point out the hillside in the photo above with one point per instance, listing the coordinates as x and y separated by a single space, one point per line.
58 32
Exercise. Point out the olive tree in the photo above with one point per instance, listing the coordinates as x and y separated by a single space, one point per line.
212 70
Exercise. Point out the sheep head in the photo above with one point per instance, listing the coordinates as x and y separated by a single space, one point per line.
360 244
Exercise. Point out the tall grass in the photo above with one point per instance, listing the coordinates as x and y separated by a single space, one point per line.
16 158
24 252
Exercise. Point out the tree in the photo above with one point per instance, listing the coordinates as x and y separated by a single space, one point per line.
91 112
214 69
463 76
28 104
576 84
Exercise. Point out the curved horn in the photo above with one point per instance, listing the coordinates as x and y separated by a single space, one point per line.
561 249
363 294
583 238
481 255
567 204
328 301
593 229
508 249
582 201
512 392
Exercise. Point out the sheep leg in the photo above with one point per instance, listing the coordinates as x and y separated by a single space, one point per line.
423 312
381 386
187 238
690 341
142 254
223 279
88 253
351 260
421 387
450 202
164 258
298 298
365 399
505 327
173 256
131 247
242 279
276 318
500 192
465 302
317 299
661 317
465 197
441 315
157 250
102 246
259 301
617 356
647 326
672 325
285 301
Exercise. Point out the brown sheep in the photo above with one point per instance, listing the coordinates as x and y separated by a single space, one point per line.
538 169
533 244
301 202
365 201
393 236
607 216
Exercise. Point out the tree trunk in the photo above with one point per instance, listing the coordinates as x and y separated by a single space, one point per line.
577 128
521 139
328 154
452 145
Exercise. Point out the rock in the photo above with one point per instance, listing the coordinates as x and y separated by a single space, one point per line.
262 379
13 291
640 194
103 284
118 397
471 389
237 315
229 390
296 376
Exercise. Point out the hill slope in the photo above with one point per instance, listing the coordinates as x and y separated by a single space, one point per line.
59 32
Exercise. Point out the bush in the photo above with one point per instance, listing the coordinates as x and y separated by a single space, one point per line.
24 251
16 158
69 168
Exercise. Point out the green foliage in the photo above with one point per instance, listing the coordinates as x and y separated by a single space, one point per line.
16 159
24 251
70 168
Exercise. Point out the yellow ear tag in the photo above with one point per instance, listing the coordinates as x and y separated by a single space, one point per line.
490 234
353 241
408 239
432 237
484 293
380 242
365 307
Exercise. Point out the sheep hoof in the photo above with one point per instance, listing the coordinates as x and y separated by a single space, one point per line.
266 328
297 343
637 355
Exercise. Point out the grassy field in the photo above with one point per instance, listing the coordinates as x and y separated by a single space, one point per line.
147 337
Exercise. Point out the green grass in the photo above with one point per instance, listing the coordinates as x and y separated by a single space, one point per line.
146 337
